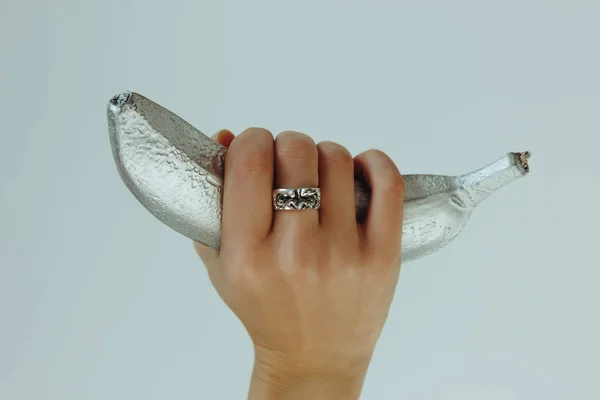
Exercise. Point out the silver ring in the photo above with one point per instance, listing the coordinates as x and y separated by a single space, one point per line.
297 199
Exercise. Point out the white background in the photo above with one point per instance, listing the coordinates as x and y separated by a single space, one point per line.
99 300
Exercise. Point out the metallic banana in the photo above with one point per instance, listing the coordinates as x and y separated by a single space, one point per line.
176 172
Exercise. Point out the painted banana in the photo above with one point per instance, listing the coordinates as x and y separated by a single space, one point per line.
176 172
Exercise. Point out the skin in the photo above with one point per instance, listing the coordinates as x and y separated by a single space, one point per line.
313 288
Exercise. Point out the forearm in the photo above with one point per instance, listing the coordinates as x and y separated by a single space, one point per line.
290 386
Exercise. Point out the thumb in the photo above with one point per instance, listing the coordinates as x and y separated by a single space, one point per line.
224 137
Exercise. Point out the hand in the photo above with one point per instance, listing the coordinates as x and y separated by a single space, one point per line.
312 287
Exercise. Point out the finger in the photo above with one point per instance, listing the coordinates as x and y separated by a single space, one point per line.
224 137
383 224
296 166
208 255
336 180
247 188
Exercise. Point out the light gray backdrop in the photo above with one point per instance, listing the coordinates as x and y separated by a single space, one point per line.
98 300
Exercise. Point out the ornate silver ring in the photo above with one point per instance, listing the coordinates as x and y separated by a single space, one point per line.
297 199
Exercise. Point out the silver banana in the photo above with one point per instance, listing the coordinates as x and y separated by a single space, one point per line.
176 173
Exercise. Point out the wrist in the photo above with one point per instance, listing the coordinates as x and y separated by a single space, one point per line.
295 386
291 380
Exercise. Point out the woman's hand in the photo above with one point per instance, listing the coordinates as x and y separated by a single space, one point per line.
312 287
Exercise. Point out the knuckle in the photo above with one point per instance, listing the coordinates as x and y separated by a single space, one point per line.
375 153
379 152
372 158
251 151
240 268
335 156
392 181
295 145
247 160
257 132
237 273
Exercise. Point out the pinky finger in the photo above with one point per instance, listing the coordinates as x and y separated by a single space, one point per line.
383 224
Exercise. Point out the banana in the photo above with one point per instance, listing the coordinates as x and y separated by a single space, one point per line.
176 173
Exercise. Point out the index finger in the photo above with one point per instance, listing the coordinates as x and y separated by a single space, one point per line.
247 188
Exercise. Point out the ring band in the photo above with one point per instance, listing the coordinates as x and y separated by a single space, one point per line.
296 199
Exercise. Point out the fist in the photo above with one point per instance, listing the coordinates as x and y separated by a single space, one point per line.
312 287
